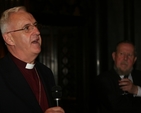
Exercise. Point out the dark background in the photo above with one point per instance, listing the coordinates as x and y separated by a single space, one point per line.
78 38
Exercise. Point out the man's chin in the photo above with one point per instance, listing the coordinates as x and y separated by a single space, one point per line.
124 72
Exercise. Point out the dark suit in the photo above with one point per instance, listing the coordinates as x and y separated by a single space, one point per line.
16 95
109 95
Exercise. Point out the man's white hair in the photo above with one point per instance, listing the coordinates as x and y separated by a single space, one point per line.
4 20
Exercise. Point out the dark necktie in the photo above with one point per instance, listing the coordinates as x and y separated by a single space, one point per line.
126 93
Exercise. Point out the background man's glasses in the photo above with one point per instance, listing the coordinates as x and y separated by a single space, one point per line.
27 28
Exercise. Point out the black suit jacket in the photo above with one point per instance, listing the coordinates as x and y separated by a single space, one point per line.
16 95
109 96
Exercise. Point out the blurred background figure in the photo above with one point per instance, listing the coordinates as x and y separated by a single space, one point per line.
117 92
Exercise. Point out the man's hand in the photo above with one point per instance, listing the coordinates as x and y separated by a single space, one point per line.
55 110
127 85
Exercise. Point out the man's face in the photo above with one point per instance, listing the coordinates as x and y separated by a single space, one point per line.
24 44
124 58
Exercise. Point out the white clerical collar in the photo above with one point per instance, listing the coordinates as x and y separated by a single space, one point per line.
29 66
122 76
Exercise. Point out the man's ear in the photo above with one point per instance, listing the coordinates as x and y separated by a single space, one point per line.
135 59
113 55
8 39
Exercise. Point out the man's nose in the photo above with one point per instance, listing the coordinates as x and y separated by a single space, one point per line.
125 57
36 30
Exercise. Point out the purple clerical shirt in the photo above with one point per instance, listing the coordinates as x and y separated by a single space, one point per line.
34 82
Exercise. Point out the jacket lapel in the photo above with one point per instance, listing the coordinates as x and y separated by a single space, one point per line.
17 83
115 78
47 82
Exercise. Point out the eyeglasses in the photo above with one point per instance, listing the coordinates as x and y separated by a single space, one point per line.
27 28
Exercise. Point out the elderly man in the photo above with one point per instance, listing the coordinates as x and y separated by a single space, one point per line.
119 90
25 84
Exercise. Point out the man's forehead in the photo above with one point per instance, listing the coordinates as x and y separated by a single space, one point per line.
21 18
